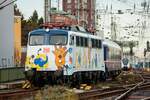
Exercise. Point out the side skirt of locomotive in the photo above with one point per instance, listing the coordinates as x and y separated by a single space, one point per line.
40 78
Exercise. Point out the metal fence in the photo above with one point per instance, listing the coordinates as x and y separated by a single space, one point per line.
11 74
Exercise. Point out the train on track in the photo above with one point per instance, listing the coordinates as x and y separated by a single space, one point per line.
70 55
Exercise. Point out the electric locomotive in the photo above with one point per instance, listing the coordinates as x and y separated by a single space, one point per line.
70 55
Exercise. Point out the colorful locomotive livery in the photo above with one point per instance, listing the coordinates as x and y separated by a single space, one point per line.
38 61
57 55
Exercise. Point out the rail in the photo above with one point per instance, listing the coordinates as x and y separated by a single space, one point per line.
102 93
124 95
17 93
141 85
122 91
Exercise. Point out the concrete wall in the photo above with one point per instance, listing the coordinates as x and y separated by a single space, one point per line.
6 35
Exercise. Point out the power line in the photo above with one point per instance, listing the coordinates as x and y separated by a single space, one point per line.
130 3
3 2
7 4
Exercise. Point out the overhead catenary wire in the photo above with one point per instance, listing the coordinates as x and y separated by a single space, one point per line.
134 6
3 2
7 4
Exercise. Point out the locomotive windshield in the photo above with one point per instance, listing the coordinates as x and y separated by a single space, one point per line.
48 40
58 40
36 40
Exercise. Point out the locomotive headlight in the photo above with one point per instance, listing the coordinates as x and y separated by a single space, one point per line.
47 30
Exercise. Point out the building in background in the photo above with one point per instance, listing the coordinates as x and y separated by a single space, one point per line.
6 35
47 7
54 15
83 10
17 40
62 17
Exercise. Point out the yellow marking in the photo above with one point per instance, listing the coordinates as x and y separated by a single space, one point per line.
88 87
148 69
26 85
83 85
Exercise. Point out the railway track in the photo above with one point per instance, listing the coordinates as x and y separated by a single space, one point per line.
103 93
112 92
138 92
118 93
127 92
17 94
146 76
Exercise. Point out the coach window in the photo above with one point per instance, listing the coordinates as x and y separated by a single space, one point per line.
96 43
100 43
92 41
86 42
77 41
93 44
71 40
89 42
81 39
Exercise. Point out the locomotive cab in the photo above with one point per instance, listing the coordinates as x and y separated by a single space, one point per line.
46 50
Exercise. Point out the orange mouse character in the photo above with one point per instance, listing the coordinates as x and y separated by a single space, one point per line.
60 54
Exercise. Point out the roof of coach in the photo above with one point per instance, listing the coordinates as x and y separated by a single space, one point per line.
111 44
85 34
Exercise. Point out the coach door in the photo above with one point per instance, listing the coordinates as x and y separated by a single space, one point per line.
72 49
72 41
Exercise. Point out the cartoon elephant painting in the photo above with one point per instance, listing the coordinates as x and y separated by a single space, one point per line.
40 60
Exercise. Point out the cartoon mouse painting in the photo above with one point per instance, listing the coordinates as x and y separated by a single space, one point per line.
60 54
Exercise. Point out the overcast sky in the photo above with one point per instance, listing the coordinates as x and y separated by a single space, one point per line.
28 6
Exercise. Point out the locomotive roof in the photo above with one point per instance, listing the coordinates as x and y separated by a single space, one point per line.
111 44
49 31
62 31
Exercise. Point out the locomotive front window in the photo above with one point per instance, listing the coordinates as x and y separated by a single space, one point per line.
36 40
58 40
